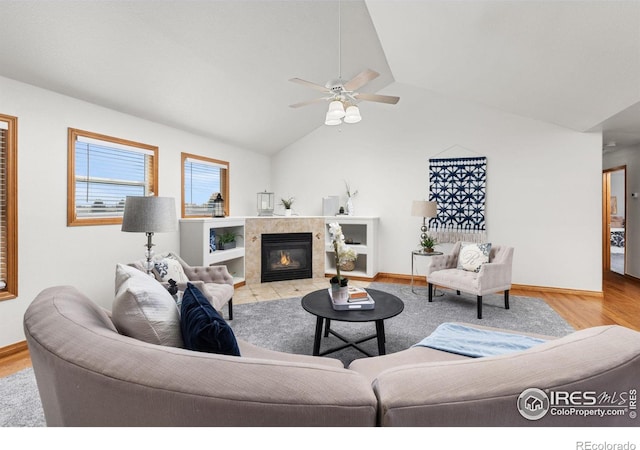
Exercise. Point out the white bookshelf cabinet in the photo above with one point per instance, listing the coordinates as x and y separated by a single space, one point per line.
194 244
363 231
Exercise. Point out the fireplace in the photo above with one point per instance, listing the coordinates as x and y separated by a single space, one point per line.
286 256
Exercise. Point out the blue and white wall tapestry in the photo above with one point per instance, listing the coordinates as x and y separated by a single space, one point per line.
458 186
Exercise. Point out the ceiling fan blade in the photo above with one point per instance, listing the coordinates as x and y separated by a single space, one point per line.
361 79
309 102
309 84
378 98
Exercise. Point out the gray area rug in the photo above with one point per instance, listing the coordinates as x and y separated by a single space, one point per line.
283 325
20 404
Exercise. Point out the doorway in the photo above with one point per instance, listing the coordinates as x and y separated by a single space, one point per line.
614 195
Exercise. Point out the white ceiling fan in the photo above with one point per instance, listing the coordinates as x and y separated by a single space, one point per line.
342 95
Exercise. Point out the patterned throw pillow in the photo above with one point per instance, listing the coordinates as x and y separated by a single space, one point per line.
169 268
473 256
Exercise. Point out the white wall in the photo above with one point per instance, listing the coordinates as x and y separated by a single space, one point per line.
49 252
543 188
631 158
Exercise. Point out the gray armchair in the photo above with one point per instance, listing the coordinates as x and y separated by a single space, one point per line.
215 282
494 276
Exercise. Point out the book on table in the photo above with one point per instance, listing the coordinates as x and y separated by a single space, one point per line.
347 302
356 293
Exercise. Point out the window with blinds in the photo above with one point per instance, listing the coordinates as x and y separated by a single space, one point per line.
202 179
8 208
103 171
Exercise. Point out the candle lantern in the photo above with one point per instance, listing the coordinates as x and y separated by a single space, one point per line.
265 203
218 206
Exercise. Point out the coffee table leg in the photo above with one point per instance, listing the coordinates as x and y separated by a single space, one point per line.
318 336
327 326
381 337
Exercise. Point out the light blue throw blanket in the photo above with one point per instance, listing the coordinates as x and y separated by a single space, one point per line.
475 342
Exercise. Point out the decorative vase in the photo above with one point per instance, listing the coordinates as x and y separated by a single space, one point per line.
349 207
339 294
228 245
347 266
287 212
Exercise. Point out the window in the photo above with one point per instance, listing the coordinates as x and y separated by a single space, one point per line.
8 207
102 172
202 180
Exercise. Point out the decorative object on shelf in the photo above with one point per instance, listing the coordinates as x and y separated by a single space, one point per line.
212 240
458 186
350 195
330 205
265 203
287 202
218 206
342 253
149 215
227 240
347 266
424 209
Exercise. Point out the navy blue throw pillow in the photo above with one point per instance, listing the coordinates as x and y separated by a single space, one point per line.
203 329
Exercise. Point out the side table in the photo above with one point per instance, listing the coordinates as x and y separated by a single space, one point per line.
419 252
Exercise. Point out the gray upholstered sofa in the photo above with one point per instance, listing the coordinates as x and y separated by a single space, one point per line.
88 374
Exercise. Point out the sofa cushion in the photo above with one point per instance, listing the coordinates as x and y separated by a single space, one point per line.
169 268
473 256
144 309
203 329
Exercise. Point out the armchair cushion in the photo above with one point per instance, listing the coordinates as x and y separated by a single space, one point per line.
473 256
203 329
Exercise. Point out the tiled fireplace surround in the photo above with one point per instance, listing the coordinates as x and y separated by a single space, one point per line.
256 227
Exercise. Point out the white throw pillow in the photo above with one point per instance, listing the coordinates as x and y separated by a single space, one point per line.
169 268
143 309
473 256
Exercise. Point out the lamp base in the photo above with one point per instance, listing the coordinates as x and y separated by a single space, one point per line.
149 254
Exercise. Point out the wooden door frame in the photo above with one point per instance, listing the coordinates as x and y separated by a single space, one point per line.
606 215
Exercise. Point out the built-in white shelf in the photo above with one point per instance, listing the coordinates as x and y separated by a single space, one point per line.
363 232
194 244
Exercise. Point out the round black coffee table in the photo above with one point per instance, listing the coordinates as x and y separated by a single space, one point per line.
318 303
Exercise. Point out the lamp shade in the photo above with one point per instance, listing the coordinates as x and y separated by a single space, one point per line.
336 110
423 208
149 214
352 115
331 121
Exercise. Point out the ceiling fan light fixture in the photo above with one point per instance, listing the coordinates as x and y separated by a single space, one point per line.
352 114
336 110
332 120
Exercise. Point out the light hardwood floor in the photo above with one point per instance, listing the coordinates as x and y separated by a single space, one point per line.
620 305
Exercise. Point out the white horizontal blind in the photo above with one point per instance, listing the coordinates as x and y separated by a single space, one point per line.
203 180
106 173
3 204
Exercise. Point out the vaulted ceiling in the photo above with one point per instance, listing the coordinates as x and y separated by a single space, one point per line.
221 68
